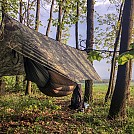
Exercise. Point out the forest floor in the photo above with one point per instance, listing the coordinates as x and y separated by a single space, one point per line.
38 114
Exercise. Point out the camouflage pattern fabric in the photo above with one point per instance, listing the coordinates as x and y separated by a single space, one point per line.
59 58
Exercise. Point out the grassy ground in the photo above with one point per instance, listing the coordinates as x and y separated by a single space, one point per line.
38 114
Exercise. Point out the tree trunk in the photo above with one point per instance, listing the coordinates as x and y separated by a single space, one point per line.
129 82
20 15
59 28
76 27
17 81
4 7
28 88
118 103
113 64
89 46
50 18
37 21
28 13
88 91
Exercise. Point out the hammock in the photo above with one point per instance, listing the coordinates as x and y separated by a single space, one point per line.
53 66
49 83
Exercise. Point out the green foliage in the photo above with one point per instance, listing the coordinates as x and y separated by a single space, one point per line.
125 57
10 7
107 28
69 15
10 82
94 55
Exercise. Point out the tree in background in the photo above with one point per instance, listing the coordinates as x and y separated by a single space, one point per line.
37 20
50 18
113 62
76 26
67 17
118 103
89 46
59 26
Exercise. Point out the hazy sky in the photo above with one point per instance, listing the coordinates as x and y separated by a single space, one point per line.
102 7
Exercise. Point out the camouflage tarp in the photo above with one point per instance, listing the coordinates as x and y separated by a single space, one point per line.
65 60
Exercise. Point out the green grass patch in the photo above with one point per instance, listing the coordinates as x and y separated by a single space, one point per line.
38 114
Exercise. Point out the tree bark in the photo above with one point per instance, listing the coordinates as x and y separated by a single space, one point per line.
113 64
4 7
50 18
59 28
28 13
129 82
76 27
28 88
89 46
20 15
88 97
17 81
118 103
37 21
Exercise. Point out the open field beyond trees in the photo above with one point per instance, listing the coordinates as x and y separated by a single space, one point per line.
37 114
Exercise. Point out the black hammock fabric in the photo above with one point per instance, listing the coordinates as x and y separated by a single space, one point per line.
36 72
48 82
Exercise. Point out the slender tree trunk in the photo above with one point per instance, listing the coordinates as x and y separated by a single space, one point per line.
118 103
89 46
129 82
17 81
20 15
88 97
28 88
50 18
64 12
76 27
37 20
59 28
113 64
4 7
28 13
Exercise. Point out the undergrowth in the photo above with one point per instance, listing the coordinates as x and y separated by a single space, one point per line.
39 114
